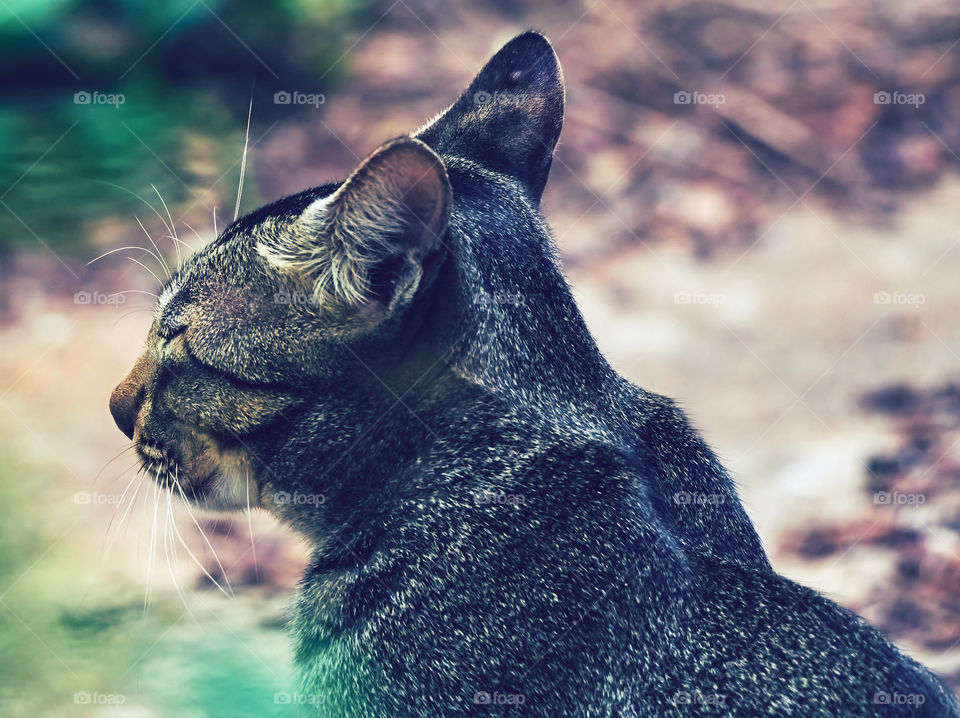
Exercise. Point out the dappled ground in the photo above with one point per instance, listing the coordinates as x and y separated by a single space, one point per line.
783 263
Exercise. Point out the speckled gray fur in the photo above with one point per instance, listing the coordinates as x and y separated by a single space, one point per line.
501 524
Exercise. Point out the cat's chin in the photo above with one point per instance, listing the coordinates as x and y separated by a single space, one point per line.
219 492
206 478
224 490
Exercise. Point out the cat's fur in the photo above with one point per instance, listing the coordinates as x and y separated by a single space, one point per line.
501 524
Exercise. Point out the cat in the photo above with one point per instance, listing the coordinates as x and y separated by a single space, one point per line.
394 366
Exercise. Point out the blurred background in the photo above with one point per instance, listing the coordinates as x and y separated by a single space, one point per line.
757 209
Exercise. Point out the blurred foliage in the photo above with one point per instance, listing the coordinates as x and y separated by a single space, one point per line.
184 71
102 148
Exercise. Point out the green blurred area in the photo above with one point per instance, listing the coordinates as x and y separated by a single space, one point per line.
46 655
72 646
101 95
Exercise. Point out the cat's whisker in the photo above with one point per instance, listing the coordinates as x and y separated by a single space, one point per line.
125 450
150 206
136 291
129 484
169 226
120 249
243 160
197 235
116 510
163 262
176 248
130 312
173 225
216 232
121 524
153 541
152 273
196 523
253 544
170 548
177 243
124 494
197 561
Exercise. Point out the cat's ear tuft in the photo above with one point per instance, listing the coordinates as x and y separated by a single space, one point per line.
369 243
509 118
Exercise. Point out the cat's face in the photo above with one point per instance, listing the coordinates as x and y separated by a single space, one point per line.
244 330
254 324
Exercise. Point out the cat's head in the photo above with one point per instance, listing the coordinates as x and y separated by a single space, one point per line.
292 296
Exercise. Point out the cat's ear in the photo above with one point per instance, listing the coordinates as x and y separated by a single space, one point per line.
370 245
509 119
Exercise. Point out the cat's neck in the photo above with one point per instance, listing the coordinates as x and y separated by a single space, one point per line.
344 468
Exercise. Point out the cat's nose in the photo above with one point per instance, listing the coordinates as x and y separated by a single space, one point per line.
125 402
127 398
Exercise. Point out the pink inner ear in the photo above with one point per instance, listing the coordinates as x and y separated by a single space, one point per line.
406 175
425 192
